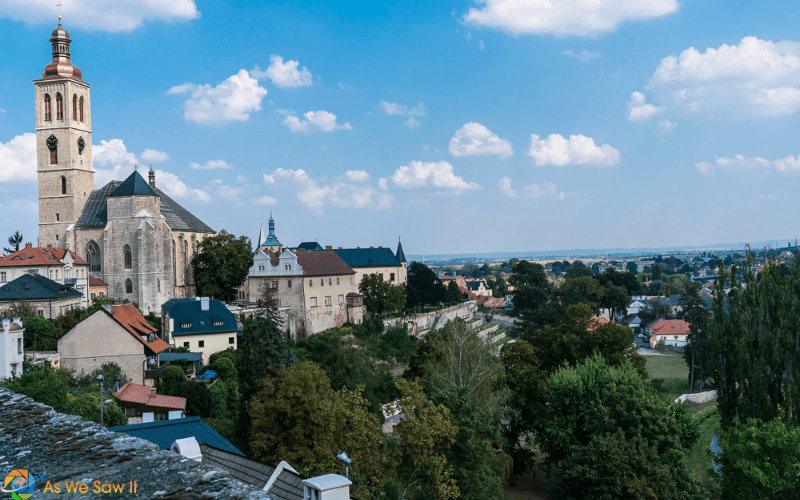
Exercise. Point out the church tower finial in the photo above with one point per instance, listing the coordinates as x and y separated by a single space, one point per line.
61 66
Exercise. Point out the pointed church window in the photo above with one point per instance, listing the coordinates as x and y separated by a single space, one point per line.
47 112
80 107
128 286
128 257
74 106
59 107
93 257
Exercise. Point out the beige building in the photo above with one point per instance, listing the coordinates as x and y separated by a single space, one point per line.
133 236
113 334
200 324
57 264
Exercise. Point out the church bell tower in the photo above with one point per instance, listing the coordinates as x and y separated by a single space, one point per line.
63 144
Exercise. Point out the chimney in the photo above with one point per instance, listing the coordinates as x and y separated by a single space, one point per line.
152 393
328 247
6 323
28 245
204 303
50 247
152 177
17 320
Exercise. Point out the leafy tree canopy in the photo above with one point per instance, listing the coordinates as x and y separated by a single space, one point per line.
221 265
423 287
381 296
14 240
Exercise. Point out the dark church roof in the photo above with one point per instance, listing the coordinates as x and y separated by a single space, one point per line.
309 245
95 213
401 256
368 257
35 287
134 185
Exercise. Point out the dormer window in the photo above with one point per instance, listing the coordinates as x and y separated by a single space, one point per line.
186 324
216 322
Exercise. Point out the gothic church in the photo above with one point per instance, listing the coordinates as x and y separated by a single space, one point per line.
135 238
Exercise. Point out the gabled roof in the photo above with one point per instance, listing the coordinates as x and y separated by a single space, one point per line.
670 327
475 285
323 263
165 432
596 321
144 395
309 245
187 312
95 212
287 485
35 287
96 281
132 320
134 185
39 256
368 257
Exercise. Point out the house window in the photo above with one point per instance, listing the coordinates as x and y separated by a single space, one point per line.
59 107
351 280
130 411
58 217
259 284
126 250
310 283
2 276
63 185
289 284
186 324
313 302
322 281
328 300
128 286
19 346
330 282
47 112
337 281
93 256
186 345
230 340
75 106
391 276
93 295
273 284
341 299
80 108
279 303
160 415
201 343
40 312
216 322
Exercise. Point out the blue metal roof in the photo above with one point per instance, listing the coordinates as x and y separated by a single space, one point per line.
401 256
207 375
368 257
190 320
177 356
134 185
35 287
165 432
309 245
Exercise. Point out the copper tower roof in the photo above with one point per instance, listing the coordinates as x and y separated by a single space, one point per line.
61 66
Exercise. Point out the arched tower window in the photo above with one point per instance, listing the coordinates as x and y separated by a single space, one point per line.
128 257
59 107
128 286
186 262
93 257
47 112
158 285
74 106
63 185
80 107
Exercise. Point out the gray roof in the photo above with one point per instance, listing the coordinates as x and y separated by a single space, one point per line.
134 185
35 287
95 213
187 311
310 245
287 485
368 257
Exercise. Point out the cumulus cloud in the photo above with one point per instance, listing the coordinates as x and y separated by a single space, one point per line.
266 200
666 127
229 192
789 165
154 156
2 110
639 110
285 74
578 149
474 139
548 189
565 17
18 158
269 179
315 196
582 56
320 120
102 15
176 188
438 174
232 100
392 108
757 78
212 165
357 175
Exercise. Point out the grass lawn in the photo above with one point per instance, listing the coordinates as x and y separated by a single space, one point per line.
707 416
669 374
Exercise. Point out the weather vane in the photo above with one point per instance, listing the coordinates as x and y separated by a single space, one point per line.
59 5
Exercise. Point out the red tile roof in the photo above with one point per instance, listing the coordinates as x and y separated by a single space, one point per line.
322 263
96 281
39 256
144 395
596 321
493 302
133 321
670 327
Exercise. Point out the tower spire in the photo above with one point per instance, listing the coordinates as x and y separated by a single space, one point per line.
261 234
61 66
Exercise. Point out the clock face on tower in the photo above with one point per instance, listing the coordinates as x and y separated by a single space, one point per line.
52 142
81 145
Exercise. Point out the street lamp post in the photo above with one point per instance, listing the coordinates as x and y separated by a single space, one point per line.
343 457
100 378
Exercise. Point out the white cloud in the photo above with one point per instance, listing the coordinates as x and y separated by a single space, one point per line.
241 178
438 174
531 190
176 188
285 74
2 110
113 152
578 149
101 15
154 156
582 56
232 100
320 120
269 179
18 158
338 194
345 86
666 127
383 184
565 17
639 110
757 78
357 175
474 139
212 165
392 108
266 200
504 185
411 123
789 165
230 193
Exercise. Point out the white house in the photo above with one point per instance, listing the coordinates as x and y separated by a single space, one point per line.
11 348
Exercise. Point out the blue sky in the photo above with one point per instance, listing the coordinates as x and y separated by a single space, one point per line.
460 126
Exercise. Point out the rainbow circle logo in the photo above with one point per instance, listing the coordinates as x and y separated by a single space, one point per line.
20 484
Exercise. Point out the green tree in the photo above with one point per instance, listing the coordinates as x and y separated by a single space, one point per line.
599 416
424 436
298 417
221 265
22 310
453 292
615 298
381 296
697 353
533 297
40 335
423 287
632 268
581 290
14 240
87 405
42 385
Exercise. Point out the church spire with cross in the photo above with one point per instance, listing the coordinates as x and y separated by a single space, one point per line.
271 243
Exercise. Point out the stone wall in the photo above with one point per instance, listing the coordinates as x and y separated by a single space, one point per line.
418 325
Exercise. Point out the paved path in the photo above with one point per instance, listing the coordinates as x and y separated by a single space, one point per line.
652 352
